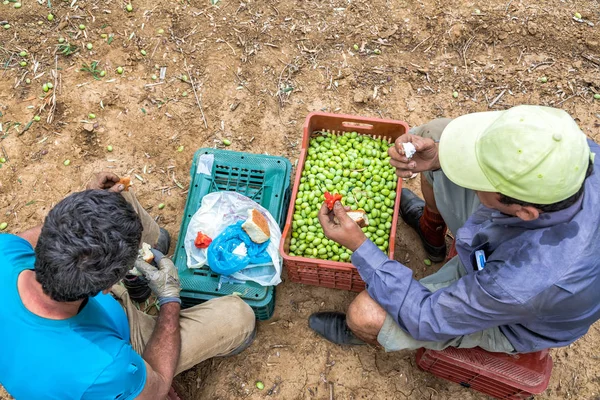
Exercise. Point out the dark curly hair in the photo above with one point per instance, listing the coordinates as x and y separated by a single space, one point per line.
88 242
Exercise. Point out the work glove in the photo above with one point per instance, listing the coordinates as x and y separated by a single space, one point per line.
163 281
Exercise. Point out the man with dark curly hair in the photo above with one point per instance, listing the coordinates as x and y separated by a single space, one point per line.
67 323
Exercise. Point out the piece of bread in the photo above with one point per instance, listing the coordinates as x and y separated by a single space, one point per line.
145 253
257 227
360 217
126 181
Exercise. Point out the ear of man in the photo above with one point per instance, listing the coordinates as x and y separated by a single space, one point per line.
528 213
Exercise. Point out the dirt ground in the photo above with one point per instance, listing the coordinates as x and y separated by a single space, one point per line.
258 68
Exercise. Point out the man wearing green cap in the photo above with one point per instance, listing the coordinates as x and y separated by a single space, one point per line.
520 192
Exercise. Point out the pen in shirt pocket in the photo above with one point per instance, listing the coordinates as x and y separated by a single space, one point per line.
480 259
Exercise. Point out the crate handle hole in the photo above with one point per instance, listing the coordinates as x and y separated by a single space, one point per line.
216 289
256 295
276 195
242 157
358 125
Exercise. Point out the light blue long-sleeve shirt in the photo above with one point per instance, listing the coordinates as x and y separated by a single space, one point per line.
540 286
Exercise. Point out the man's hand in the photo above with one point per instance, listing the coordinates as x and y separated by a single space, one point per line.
425 159
340 228
106 180
163 281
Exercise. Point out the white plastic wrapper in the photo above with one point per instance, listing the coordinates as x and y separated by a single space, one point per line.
409 150
217 212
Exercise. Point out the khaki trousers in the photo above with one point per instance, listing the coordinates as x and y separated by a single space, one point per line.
210 329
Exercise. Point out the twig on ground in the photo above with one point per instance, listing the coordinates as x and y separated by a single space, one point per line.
195 93
497 98
227 43
52 110
417 46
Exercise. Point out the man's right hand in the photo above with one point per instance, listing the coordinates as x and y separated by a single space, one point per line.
164 280
106 181
425 159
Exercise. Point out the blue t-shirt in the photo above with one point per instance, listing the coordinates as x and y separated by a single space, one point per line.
88 356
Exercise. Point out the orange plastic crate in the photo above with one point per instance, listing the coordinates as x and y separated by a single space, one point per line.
502 376
335 274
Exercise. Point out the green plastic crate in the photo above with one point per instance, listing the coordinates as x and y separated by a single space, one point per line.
264 179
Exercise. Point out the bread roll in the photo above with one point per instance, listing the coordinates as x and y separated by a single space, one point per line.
257 227
145 253
360 217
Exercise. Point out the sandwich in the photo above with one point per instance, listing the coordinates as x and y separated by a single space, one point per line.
360 217
257 227
145 253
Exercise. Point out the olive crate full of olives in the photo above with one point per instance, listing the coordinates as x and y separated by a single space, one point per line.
345 155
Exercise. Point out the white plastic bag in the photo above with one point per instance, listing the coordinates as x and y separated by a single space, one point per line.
219 210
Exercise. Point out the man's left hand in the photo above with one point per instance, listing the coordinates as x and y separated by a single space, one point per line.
340 228
106 181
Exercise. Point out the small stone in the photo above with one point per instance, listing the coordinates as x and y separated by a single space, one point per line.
89 127
359 98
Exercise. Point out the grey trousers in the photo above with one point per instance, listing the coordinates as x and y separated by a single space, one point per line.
456 205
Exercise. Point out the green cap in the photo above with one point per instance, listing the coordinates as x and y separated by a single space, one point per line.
530 153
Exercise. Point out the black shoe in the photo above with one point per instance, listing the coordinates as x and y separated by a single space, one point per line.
164 241
411 208
137 287
332 326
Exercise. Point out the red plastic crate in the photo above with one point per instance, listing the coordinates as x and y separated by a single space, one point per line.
335 274
502 376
